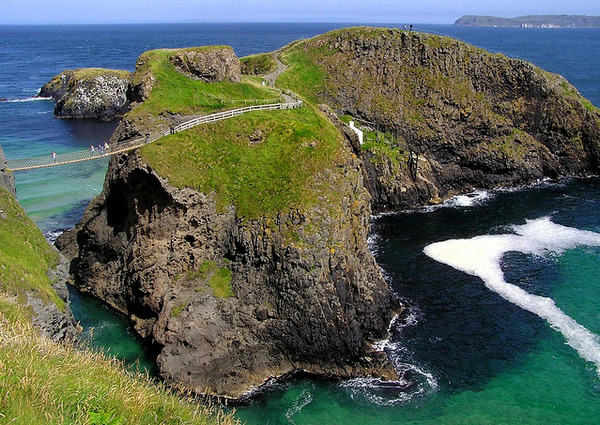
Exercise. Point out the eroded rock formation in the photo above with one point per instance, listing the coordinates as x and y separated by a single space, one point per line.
475 119
231 303
89 93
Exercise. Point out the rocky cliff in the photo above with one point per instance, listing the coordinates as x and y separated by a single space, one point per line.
232 302
31 270
89 93
445 116
7 180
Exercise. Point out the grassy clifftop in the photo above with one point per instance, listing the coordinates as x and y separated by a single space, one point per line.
476 119
260 162
42 381
175 93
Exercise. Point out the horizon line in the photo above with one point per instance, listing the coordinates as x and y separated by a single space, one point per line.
218 22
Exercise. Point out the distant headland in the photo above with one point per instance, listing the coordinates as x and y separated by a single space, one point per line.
531 21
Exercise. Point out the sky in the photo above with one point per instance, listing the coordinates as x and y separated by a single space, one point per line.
350 11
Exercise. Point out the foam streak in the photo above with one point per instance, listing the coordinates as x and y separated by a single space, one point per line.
481 256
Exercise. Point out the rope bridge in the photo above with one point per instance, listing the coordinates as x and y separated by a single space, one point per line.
131 144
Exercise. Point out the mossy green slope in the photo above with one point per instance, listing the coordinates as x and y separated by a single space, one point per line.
277 173
25 256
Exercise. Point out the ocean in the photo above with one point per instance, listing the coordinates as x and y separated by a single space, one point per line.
502 288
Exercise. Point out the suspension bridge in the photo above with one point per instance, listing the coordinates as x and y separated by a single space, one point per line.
51 160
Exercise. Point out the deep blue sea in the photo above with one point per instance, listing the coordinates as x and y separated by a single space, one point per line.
502 288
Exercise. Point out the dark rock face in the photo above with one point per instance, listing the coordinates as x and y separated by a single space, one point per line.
306 293
7 180
54 323
210 65
474 119
89 93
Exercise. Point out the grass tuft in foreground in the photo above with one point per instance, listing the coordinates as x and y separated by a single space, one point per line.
43 382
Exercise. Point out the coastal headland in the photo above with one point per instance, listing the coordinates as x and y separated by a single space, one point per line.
531 21
238 249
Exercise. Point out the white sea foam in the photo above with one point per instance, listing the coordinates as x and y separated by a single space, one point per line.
481 256
412 381
28 99
303 400
468 200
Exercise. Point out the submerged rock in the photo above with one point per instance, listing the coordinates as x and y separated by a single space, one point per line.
89 93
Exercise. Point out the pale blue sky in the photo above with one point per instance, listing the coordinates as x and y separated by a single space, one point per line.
355 11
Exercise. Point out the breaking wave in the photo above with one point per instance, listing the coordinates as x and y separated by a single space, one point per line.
481 256
28 99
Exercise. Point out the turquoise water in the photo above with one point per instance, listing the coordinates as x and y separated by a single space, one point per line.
464 352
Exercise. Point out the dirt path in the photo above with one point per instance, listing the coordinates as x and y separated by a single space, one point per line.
272 77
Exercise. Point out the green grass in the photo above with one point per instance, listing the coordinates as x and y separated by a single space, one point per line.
177 310
383 145
258 179
216 278
25 255
91 73
220 283
260 64
174 93
43 382
303 75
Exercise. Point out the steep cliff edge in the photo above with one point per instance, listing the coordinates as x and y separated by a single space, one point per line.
7 180
238 248
445 116
232 302
89 93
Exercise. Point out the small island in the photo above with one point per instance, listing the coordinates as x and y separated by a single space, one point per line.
531 21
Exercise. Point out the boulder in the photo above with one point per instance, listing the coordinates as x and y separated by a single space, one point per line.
209 64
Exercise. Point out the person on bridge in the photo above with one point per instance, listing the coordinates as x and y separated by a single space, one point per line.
92 150
106 146
53 157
